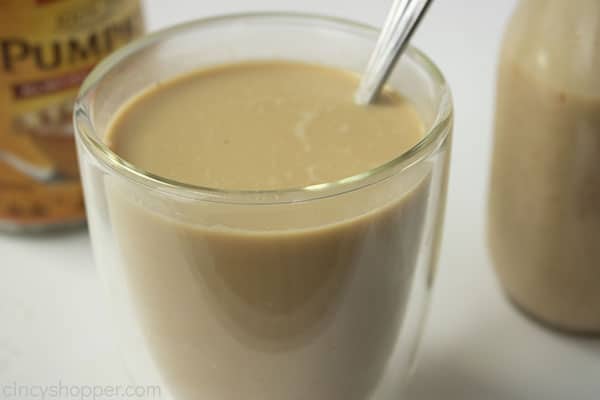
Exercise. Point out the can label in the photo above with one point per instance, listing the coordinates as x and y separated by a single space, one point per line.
47 47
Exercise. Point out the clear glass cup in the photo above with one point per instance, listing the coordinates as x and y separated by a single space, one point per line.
311 293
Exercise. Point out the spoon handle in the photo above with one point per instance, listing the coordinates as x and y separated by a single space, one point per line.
401 22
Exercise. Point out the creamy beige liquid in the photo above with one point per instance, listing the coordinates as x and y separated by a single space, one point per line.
544 215
263 126
292 302
544 200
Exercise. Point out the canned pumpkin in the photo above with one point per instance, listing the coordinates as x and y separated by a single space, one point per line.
47 47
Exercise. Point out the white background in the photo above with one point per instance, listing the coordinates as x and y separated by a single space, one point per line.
53 326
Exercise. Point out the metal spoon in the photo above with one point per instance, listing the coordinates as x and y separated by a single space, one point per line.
401 22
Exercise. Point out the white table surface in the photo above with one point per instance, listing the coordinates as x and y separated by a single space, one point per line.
53 326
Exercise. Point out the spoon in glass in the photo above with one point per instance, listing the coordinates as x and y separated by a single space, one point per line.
401 22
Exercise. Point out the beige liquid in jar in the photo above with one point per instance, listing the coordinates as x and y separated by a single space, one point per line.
544 211
298 301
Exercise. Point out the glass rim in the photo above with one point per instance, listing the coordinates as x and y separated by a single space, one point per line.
101 152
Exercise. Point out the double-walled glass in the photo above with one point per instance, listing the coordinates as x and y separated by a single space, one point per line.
311 293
